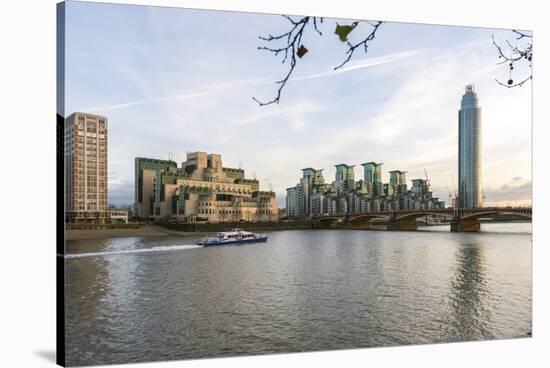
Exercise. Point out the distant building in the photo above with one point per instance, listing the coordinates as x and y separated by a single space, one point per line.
372 172
312 196
420 186
308 196
291 202
398 179
310 181
86 157
201 190
469 151
344 178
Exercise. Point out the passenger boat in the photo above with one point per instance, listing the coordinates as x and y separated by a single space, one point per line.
235 236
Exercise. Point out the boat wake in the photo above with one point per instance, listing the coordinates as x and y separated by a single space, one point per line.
162 248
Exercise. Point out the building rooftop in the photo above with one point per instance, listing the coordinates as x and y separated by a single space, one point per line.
88 114
155 160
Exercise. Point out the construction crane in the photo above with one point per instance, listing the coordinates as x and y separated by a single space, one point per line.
450 194
427 180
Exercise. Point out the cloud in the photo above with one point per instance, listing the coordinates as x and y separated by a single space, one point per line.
509 193
121 191
359 64
217 88
294 115
200 91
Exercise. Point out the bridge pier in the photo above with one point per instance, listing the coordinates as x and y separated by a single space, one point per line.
465 226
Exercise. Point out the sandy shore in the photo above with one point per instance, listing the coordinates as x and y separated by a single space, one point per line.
144 230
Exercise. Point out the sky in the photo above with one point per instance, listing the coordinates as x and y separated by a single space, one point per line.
174 80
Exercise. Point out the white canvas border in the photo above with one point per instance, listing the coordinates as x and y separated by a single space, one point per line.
28 150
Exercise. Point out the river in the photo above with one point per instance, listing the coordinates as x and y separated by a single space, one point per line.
163 298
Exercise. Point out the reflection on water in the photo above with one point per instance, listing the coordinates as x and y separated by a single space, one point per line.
470 319
490 227
145 299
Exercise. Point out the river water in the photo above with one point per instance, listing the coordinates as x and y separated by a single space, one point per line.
163 298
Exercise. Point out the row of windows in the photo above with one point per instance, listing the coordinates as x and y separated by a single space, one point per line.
84 207
79 176
78 192
244 203
91 122
89 196
210 211
91 166
92 140
80 183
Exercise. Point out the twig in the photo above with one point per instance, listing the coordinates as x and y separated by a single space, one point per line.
517 53
353 47
293 42
521 34
514 84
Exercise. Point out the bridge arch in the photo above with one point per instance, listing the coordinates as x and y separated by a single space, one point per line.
369 216
414 215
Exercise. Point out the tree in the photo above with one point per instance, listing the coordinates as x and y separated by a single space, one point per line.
519 53
293 49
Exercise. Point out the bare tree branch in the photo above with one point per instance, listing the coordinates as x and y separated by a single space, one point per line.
364 43
521 34
315 25
292 49
514 84
515 54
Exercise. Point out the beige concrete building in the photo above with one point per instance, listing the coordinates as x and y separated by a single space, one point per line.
201 190
86 192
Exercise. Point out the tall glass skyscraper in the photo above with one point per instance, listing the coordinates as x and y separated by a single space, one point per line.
469 151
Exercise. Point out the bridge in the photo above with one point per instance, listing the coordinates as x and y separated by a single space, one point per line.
461 219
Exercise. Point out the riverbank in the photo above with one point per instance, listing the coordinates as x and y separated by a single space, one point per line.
143 230
248 226
188 229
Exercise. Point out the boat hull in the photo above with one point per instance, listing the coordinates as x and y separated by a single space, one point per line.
259 239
